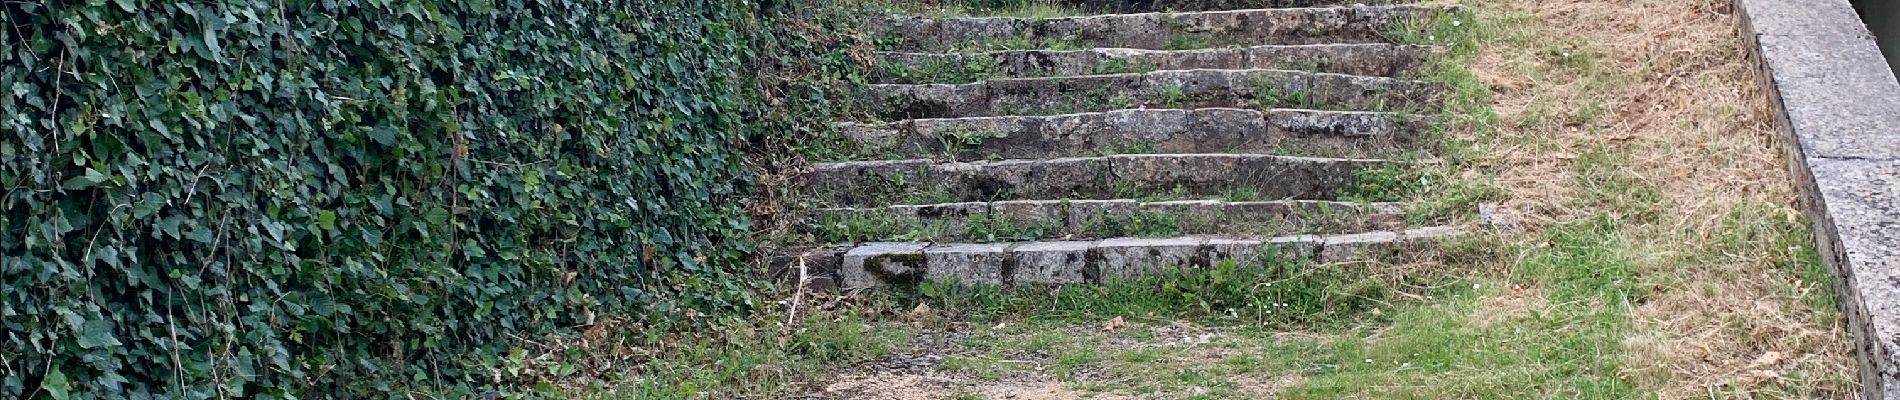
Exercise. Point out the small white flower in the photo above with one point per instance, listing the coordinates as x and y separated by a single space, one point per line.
1476 286
1457 23
1368 361
1431 37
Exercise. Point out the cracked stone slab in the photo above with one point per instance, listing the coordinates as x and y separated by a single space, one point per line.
1124 258
1342 134
1380 59
967 263
1183 89
1156 31
1090 178
874 265
1051 263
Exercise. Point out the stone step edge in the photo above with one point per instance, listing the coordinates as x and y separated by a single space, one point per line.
964 165
1267 113
874 183
1189 88
1200 129
887 264
1364 59
1122 6
1383 207
1202 29
1151 74
1095 219
1120 51
1423 7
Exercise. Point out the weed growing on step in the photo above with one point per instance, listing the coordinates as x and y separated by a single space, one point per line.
965 144
1181 38
1268 95
1389 183
875 227
1152 224
1173 97
1018 43
1192 41
1124 66
1036 9
1276 291
967 69
994 228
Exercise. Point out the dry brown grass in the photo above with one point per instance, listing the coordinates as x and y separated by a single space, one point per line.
1664 90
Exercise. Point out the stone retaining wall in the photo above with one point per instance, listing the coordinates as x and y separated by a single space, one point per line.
1839 103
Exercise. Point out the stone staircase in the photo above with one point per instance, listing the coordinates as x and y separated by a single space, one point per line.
1018 151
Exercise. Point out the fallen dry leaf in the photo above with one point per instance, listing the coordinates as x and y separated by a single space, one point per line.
1114 324
1767 359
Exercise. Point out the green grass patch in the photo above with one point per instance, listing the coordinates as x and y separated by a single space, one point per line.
748 362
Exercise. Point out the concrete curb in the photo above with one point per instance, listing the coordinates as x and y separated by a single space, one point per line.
1839 103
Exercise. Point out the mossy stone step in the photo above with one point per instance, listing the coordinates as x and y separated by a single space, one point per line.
1255 89
1097 219
1353 59
1311 133
878 183
1152 31
1143 6
878 265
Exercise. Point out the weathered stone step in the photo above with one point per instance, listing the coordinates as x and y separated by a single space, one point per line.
877 183
1152 31
1343 134
1097 219
1354 59
1143 6
1257 89
875 265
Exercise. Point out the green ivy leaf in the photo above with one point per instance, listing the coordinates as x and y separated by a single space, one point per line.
55 385
97 333
383 136
326 219
92 178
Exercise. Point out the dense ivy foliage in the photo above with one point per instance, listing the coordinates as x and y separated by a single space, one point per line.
355 198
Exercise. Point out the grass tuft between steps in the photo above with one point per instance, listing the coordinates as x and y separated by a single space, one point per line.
770 359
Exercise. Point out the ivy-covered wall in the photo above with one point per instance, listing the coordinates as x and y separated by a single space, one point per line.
354 198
